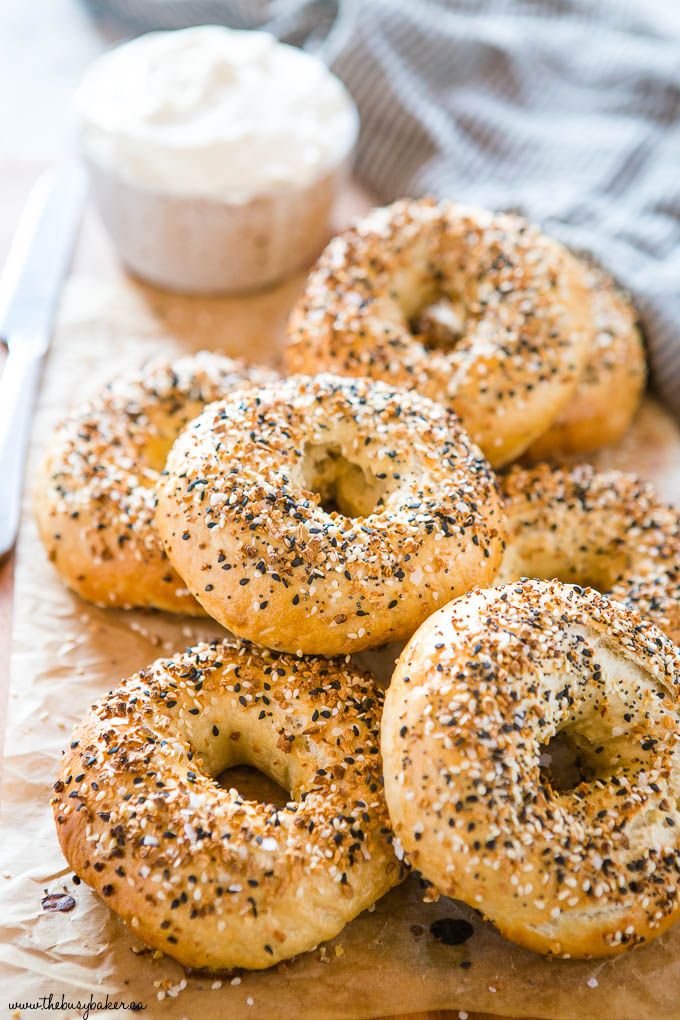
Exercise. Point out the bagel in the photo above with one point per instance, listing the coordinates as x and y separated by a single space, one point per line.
327 515
504 350
610 389
210 878
591 868
605 529
96 489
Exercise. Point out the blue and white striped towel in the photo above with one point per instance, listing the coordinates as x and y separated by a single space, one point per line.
566 110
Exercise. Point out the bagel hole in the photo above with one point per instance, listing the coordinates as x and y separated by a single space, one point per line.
440 324
253 785
343 486
600 573
599 581
156 452
569 759
163 433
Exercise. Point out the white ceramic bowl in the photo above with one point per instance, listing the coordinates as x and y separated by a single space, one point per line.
215 155
206 244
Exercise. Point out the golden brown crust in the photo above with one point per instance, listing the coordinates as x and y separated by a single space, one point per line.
241 516
607 529
477 694
611 386
95 492
520 300
210 878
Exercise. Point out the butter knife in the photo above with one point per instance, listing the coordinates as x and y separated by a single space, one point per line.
30 285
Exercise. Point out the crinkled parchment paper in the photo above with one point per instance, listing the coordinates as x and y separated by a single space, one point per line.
66 653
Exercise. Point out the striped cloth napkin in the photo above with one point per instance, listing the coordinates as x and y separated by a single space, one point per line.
565 110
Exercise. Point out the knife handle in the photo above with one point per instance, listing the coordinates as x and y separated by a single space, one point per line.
18 387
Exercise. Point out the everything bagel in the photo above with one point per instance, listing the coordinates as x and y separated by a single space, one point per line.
481 689
326 514
96 489
197 871
609 390
606 529
517 323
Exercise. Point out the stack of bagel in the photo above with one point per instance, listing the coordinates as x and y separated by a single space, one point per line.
410 479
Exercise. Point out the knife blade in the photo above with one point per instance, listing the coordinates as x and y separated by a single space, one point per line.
30 285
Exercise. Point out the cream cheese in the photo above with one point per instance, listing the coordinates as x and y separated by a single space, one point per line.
214 112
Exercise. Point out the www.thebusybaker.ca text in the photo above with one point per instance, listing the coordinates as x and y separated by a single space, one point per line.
82 1006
